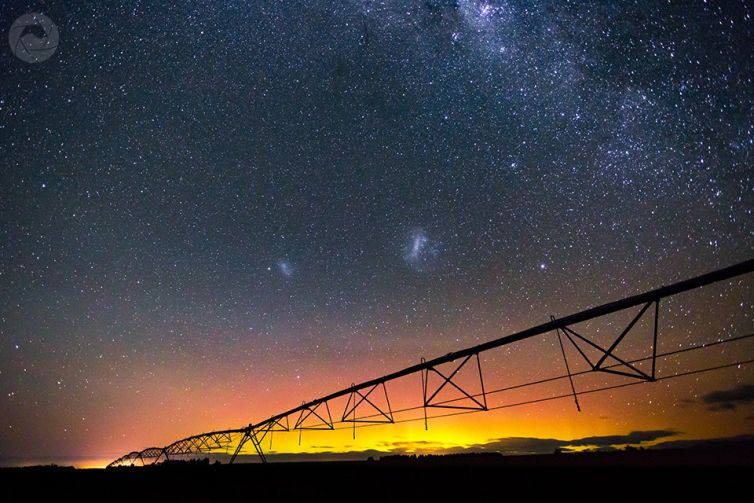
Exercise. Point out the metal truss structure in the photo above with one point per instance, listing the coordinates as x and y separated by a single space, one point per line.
368 402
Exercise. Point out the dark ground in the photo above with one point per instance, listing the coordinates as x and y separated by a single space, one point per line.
637 475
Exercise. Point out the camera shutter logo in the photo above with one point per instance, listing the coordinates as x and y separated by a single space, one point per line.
26 44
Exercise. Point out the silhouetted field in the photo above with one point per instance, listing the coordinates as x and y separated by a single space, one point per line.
637 474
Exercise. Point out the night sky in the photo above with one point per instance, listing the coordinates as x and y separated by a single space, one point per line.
213 210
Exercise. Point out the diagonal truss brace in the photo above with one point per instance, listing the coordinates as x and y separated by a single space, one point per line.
448 380
154 453
272 426
249 435
568 367
306 413
206 443
311 411
356 398
599 366
220 441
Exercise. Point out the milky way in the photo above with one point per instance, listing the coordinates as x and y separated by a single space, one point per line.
242 196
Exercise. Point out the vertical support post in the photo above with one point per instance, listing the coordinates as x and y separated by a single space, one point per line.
329 416
353 395
654 342
249 434
424 376
387 400
481 381
568 368
241 442
258 446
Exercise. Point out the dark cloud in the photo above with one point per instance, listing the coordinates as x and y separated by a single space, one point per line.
635 437
527 445
706 442
729 399
520 445
400 447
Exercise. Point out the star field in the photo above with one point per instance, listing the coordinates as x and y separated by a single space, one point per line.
207 202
